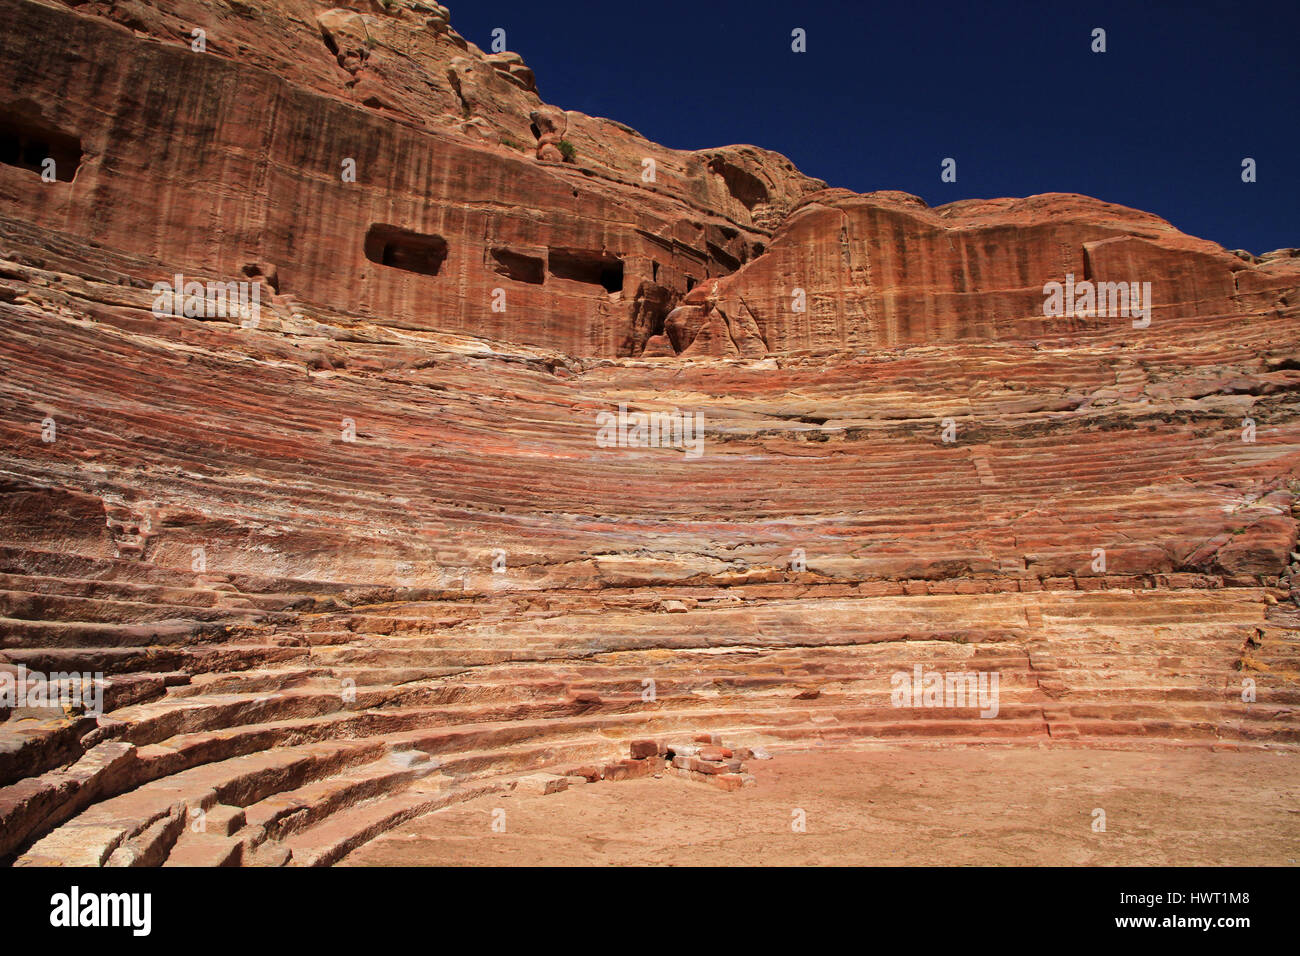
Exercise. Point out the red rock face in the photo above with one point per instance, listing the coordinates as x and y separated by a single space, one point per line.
385 547
883 270
207 162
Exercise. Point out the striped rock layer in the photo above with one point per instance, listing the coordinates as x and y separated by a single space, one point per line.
371 554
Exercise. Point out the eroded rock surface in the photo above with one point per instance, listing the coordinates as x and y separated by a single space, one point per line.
369 555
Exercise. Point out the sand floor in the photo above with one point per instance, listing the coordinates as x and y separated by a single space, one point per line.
988 805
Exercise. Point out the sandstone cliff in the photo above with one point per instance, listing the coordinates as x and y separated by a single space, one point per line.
232 162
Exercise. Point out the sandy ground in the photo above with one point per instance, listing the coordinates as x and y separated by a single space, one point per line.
973 806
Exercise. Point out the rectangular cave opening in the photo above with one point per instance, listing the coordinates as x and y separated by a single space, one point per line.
593 268
404 249
27 144
517 266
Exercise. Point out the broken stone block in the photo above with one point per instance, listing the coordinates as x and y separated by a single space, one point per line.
223 820
631 769
644 748
542 783
710 767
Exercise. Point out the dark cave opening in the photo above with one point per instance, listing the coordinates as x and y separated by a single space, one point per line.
27 143
520 267
404 249
593 268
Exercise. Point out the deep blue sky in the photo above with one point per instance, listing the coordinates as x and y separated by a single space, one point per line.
1161 121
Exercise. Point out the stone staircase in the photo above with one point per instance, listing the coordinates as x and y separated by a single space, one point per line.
380 713
305 642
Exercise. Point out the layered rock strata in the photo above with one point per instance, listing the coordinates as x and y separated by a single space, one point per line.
372 553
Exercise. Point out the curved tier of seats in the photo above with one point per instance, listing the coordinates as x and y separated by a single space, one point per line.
306 640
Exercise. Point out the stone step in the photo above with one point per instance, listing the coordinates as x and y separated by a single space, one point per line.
190 659
287 812
44 607
34 805
151 845
30 745
130 591
170 722
89 838
217 837
255 681
341 833
458 777
19 635
209 850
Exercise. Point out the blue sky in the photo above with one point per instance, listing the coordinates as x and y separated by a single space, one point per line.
1161 121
